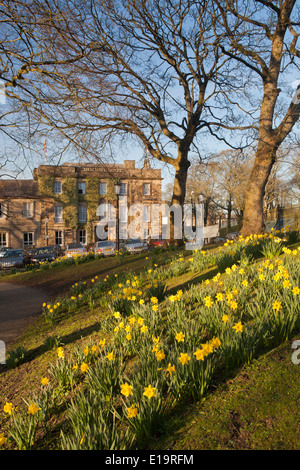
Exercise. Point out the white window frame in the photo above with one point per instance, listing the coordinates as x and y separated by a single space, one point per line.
104 211
58 214
123 189
146 192
28 243
146 232
101 185
82 236
57 187
81 187
3 239
3 210
146 214
27 209
123 213
82 214
57 237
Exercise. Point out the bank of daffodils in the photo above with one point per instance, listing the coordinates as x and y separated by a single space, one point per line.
157 348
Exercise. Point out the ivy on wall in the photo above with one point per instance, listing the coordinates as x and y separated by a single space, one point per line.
46 186
70 199
92 199
111 195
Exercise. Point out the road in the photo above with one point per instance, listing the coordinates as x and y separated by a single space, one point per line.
19 305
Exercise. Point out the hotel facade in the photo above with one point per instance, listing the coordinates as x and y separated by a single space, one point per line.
70 202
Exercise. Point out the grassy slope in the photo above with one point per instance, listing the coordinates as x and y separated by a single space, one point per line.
258 408
58 281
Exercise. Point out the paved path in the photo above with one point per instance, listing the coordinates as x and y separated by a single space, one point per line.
19 305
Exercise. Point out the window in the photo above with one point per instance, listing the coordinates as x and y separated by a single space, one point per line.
3 239
146 189
28 238
58 214
82 236
27 209
146 232
103 211
123 213
146 214
82 214
102 188
57 187
58 237
81 187
3 210
123 189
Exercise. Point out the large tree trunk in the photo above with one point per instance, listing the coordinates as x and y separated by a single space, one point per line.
178 198
270 137
253 214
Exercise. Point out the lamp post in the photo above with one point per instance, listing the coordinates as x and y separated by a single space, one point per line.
201 198
117 192
193 210
46 222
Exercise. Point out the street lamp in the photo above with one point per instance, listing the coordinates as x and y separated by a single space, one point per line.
117 192
193 210
46 222
201 198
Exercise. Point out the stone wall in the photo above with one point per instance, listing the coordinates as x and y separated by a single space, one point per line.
15 224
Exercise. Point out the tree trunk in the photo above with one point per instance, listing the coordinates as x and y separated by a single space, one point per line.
253 214
270 138
178 198
206 212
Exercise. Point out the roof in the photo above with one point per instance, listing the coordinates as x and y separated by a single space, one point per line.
19 188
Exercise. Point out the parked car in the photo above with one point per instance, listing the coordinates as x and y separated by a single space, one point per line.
57 250
158 242
220 240
30 249
43 254
106 247
134 245
4 249
233 235
14 258
74 249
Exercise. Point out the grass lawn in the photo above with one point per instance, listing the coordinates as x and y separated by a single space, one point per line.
257 409
252 406
58 280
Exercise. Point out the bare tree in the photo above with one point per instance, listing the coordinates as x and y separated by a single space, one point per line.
222 180
261 36
25 115
159 71
148 69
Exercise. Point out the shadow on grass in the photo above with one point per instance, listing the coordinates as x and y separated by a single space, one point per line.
34 353
76 335
197 279
57 281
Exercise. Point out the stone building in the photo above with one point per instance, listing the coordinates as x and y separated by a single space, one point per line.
68 203
20 213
